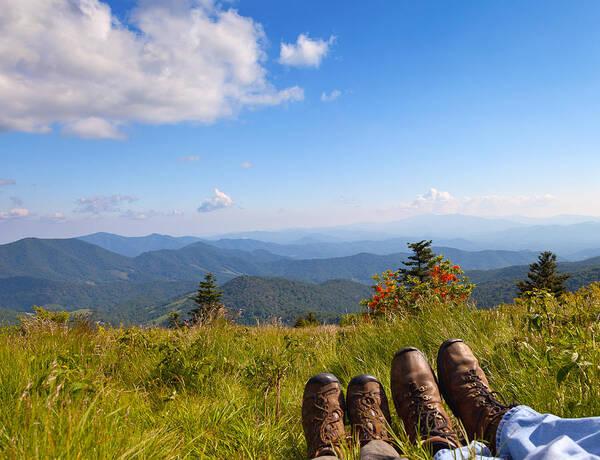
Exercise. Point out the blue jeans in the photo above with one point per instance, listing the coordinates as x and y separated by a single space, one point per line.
524 434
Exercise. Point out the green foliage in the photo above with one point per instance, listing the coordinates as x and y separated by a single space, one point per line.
351 319
211 392
58 317
444 282
261 299
310 320
183 367
419 264
543 276
209 306
174 320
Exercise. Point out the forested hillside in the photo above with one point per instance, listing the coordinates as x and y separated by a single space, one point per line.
78 275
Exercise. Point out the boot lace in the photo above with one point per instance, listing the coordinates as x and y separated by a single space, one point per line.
370 426
494 404
492 400
329 415
431 421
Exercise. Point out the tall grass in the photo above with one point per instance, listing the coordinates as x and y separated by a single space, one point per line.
77 392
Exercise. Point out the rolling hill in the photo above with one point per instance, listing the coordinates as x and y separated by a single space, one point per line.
76 274
261 299
75 260
65 259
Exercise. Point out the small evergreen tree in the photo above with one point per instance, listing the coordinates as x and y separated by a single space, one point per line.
174 320
543 275
419 263
310 320
208 301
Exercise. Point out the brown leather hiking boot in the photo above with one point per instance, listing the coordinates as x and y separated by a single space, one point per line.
418 401
467 391
368 409
323 415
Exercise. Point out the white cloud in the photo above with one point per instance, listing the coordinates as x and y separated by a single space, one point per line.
100 203
502 204
440 202
92 128
189 159
55 217
218 201
73 64
17 201
247 164
14 214
331 96
435 201
305 52
6 181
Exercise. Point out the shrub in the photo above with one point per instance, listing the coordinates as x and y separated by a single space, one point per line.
310 320
445 282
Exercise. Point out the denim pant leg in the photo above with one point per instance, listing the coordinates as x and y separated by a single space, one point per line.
525 433
379 450
476 450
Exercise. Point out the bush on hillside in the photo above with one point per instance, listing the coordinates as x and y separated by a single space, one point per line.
445 282
52 320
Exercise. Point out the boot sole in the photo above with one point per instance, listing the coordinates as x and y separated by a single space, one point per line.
441 386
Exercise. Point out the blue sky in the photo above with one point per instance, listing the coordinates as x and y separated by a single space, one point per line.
201 118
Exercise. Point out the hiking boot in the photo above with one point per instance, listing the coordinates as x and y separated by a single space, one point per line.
323 415
418 401
368 409
467 391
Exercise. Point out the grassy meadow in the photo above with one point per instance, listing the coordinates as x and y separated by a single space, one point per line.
211 392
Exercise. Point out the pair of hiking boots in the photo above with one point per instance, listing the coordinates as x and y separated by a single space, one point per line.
417 395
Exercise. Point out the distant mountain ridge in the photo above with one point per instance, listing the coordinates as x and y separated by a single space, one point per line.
132 246
76 274
479 260
76 260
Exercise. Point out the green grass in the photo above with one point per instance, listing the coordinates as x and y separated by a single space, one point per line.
101 393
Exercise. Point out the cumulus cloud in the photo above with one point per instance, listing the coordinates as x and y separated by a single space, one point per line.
305 52
14 214
71 63
189 159
100 203
440 202
247 164
331 96
6 181
218 201
17 201
435 201
92 128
